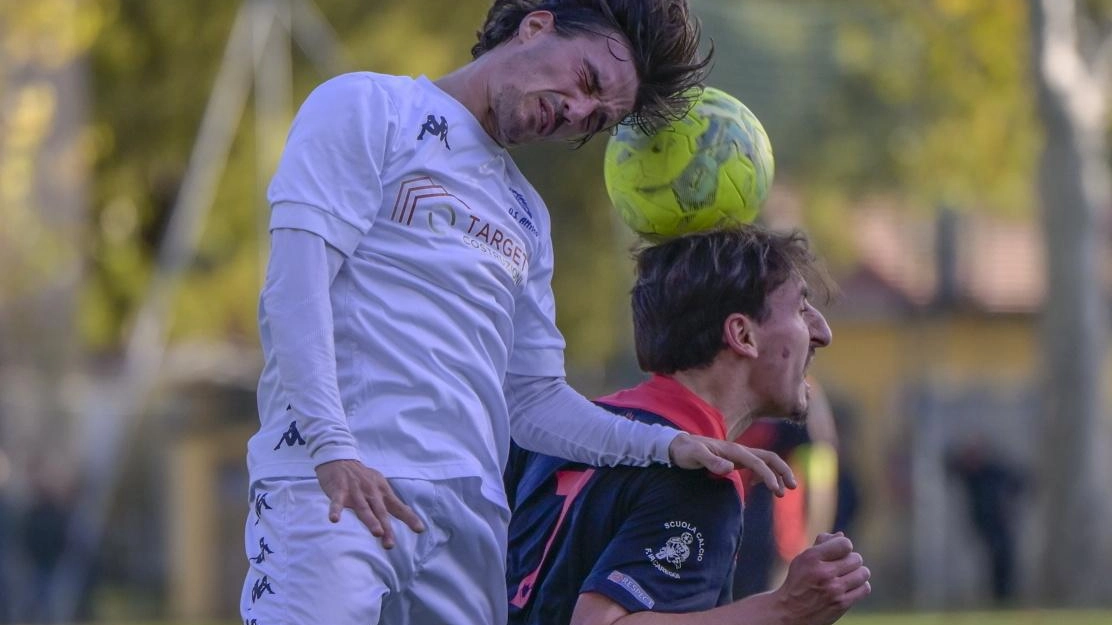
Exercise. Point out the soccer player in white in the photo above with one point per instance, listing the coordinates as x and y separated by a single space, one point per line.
407 318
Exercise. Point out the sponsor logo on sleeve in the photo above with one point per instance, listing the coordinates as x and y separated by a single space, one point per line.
631 586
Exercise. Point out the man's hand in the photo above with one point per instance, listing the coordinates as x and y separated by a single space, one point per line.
351 484
721 457
823 582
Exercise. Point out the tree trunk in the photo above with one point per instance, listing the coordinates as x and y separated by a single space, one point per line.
1074 191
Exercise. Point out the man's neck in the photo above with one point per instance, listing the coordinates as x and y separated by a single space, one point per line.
467 85
725 392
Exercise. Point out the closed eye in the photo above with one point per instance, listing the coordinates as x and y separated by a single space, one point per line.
593 85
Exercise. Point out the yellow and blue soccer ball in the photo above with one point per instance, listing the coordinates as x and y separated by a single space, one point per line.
711 168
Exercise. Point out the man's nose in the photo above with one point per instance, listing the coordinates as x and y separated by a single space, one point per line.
578 109
820 331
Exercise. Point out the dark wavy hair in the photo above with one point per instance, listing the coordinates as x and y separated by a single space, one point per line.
687 286
662 35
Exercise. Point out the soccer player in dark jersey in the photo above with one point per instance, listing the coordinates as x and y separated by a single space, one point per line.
723 322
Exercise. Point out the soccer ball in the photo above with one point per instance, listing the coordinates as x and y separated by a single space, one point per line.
711 168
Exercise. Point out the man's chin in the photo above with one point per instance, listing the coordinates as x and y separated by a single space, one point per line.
798 415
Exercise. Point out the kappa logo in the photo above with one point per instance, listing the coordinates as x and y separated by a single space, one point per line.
291 437
260 505
261 586
670 557
436 129
263 550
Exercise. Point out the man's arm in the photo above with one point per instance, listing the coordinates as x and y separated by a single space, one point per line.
299 313
324 198
548 416
823 583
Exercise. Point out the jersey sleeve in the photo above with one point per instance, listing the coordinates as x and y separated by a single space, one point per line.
299 323
548 416
328 180
538 348
675 551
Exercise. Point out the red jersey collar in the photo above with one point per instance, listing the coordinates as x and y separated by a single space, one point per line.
664 396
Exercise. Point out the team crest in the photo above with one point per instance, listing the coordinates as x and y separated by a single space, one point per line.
670 557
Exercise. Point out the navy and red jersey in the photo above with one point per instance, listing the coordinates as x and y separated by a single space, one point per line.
654 538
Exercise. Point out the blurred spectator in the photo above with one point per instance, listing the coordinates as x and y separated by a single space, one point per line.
5 539
992 487
42 531
848 497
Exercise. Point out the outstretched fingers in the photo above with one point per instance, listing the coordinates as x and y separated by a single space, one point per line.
366 492
397 508
721 457
381 520
783 473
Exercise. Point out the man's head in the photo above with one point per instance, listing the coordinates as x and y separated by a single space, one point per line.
741 292
572 68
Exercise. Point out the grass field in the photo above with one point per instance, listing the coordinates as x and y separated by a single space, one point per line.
1017 617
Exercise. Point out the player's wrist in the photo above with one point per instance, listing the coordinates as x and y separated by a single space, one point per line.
675 445
766 608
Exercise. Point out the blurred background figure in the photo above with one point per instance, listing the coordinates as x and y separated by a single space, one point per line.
42 530
992 488
5 538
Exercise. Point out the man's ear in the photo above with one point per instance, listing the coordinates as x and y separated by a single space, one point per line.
739 335
535 23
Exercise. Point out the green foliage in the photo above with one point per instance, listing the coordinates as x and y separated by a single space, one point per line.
593 265
154 64
925 103
950 81
41 148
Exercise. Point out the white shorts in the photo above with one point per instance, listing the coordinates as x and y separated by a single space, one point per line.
305 570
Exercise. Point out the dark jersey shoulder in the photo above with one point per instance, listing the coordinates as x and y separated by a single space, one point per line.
652 538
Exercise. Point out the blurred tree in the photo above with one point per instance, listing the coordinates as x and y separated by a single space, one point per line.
926 103
154 65
43 183
1072 62
43 180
